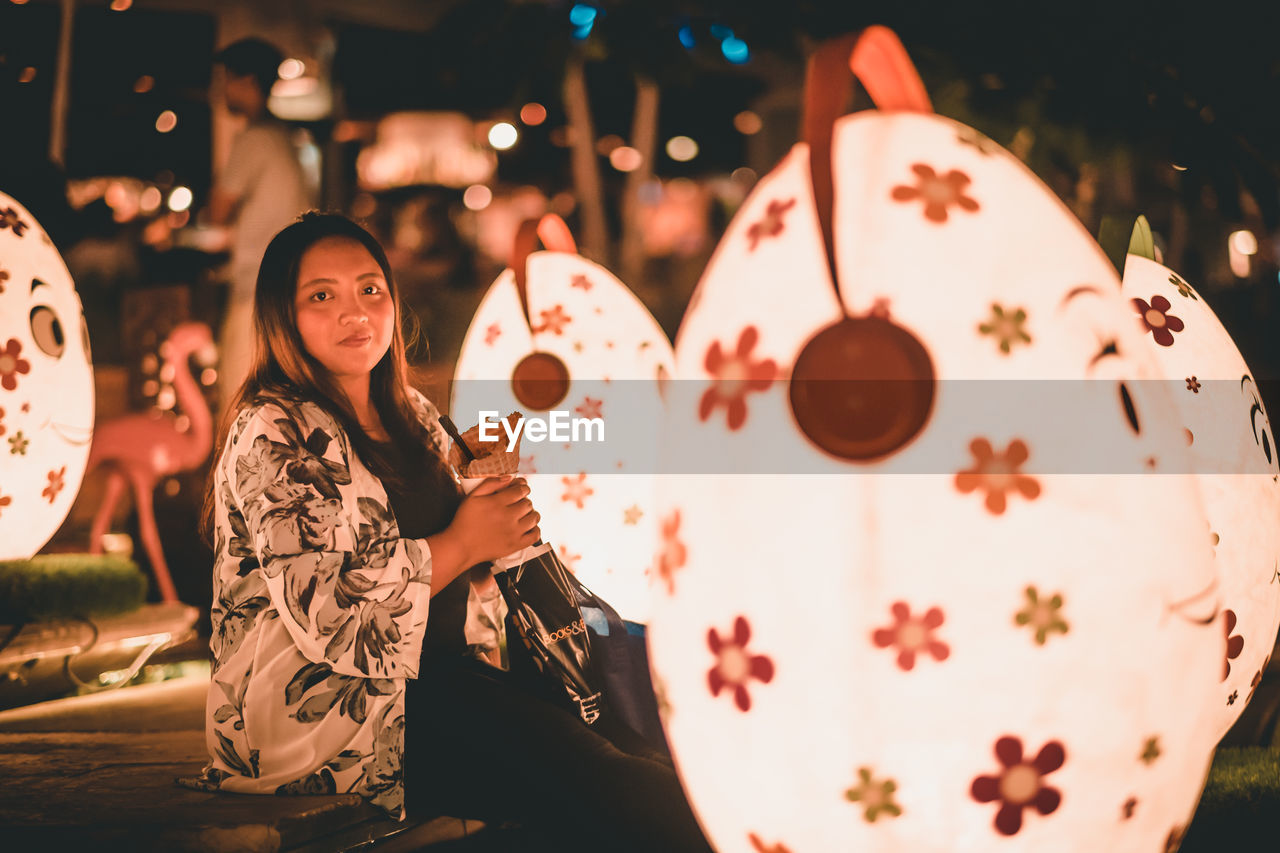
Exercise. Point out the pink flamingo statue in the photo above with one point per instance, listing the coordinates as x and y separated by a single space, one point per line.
142 449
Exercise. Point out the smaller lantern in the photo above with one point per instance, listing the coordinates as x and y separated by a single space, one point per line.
46 385
565 343
1220 410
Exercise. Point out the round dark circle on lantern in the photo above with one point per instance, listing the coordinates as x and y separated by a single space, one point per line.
540 381
862 388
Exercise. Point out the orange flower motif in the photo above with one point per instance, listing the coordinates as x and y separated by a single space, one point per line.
761 847
938 192
570 560
590 408
11 365
771 225
492 333
580 281
4 276
673 553
735 666
554 320
5 500
56 483
997 474
735 375
1159 322
1020 783
9 218
912 635
576 489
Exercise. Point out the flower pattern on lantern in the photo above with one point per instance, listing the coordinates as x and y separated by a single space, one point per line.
2 426
938 192
761 847
56 484
1235 694
735 375
554 320
1157 319
576 489
9 218
1182 287
492 333
570 560
1129 807
5 500
1235 644
590 408
735 666
1175 839
997 474
4 276
12 364
1257 678
580 281
1193 385
912 635
1020 784
1150 750
876 796
673 554
1006 327
771 225
18 444
1042 615
632 514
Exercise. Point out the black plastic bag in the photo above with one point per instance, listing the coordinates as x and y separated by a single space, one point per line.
543 601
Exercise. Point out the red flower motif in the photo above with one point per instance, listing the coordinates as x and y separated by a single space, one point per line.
553 321
5 500
673 553
735 375
4 276
2 426
937 191
590 408
11 364
912 635
492 333
1130 806
1235 644
997 474
761 847
771 225
570 560
1159 322
9 219
735 666
56 483
576 489
1021 783
580 281
526 465
1257 677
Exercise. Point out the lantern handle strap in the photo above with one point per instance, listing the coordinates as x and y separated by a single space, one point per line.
554 234
881 64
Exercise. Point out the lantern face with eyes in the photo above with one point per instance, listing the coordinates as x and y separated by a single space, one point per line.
590 350
973 623
1231 445
46 385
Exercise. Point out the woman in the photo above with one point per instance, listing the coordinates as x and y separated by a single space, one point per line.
335 525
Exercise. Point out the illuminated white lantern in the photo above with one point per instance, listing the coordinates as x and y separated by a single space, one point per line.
1220 407
46 385
977 622
585 347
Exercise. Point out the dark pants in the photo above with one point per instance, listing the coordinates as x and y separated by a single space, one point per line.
481 743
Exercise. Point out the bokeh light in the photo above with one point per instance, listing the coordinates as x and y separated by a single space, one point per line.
120 5
686 37
681 149
180 199
744 175
606 144
503 135
150 200
582 15
533 114
747 123
291 69
477 197
27 74
1244 242
166 121
735 50
144 84
624 158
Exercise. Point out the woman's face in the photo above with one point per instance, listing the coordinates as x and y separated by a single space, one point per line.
344 309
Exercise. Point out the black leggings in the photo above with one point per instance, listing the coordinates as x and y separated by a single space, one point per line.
500 753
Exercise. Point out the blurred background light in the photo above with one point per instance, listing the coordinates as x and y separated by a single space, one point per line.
180 199
477 197
681 149
503 135
624 158
533 114
166 121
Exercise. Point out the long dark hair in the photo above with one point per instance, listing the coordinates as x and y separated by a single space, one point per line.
282 369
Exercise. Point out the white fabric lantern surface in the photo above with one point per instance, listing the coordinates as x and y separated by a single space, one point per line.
1230 436
949 638
596 501
46 385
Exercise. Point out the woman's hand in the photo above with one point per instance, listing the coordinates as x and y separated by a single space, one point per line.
495 520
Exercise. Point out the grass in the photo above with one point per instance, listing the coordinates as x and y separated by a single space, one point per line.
57 586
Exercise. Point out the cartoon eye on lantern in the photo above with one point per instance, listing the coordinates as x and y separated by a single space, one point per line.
1108 348
540 381
46 331
84 338
1258 420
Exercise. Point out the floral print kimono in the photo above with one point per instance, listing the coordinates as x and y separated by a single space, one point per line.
319 612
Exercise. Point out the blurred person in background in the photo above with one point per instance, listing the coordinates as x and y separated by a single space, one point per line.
261 189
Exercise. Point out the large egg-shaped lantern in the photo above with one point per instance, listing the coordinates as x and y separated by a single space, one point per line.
1231 444
561 340
46 385
926 586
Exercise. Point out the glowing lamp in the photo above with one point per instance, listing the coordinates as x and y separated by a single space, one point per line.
46 385
978 621
557 333
1220 407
